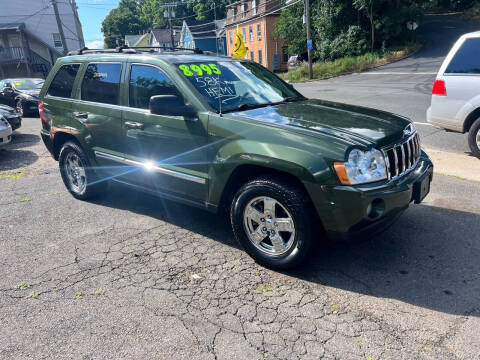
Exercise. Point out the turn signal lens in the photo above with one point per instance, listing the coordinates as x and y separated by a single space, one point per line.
439 88
341 172
40 110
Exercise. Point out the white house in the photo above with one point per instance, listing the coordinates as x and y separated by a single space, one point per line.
30 40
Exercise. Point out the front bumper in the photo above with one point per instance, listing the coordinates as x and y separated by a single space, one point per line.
5 136
352 212
15 122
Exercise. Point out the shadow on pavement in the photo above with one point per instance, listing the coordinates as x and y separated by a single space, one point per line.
429 258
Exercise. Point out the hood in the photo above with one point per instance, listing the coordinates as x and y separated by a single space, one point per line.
354 124
32 92
7 111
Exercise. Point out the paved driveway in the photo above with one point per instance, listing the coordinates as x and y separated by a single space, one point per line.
134 277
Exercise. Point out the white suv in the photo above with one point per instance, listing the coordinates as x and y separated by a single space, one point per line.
455 102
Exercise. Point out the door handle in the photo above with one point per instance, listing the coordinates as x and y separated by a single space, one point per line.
133 125
80 115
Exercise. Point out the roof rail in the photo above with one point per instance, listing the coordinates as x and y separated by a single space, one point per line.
86 50
131 50
196 50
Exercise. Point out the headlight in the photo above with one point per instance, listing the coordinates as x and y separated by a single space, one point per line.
362 167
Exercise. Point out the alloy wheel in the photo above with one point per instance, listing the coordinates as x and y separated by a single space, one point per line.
75 170
269 225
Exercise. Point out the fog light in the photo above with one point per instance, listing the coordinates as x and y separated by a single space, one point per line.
375 209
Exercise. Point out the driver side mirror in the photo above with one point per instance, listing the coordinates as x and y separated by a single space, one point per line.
7 89
171 105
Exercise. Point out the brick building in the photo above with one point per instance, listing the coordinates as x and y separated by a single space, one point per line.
256 20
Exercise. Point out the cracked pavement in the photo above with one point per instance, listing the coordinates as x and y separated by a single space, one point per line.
131 276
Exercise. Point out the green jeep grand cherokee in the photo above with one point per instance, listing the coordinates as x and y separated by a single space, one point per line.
218 133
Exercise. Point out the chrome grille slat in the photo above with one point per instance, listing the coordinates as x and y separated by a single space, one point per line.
402 157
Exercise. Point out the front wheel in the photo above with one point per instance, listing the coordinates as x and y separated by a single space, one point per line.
19 107
474 138
77 174
272 220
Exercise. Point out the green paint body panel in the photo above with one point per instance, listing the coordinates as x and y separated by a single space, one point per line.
302 139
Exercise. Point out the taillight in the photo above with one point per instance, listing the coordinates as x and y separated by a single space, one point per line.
40 111
439 88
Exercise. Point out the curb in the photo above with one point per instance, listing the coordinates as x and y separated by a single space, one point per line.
357 72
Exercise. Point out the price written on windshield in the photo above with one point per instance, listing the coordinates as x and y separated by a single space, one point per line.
200 69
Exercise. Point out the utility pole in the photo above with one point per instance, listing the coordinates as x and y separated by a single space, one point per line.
309 38
60 27
169 12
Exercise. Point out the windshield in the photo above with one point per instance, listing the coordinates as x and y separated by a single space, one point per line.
237 84
28 84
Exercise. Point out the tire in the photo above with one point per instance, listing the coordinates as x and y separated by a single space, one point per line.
474 138
19 107
289 202
80 180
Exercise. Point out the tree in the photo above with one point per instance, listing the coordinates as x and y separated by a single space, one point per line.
123 20
291 28
367 7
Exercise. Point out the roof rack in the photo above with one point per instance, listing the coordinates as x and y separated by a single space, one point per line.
196 50
130 50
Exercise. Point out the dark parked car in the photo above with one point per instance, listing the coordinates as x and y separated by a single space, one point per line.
9 113
22 94
219 133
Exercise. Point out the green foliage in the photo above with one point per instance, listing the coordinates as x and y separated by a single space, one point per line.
348 64
134 16
350 27
123 20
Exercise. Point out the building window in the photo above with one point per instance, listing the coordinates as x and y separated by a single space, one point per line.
242 11
260 59
231 39
254 8
57 40
250 33
259 32
243 34
284 54
252 55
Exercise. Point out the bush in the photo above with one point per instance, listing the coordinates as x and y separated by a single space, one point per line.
349 43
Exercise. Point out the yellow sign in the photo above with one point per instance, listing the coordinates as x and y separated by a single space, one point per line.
239 51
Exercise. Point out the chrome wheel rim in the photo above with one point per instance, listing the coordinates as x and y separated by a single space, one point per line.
19 108
75 171
269 225
478 139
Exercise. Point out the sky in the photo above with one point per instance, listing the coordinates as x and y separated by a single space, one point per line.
92 13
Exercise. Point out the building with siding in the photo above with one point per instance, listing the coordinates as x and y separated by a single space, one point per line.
204 35
30 41
256 20
162 38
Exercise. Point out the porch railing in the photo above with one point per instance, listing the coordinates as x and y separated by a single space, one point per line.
8 54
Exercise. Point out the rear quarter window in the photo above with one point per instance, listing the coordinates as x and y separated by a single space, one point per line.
62 83
467 58
101 83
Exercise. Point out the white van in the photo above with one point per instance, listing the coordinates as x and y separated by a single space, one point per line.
455 104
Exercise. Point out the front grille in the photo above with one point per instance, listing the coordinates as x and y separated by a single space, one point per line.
403 157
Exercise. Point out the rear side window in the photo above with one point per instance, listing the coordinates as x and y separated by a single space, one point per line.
467 58
62 83
101 83
147 81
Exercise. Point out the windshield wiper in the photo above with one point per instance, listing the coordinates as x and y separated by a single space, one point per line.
244 107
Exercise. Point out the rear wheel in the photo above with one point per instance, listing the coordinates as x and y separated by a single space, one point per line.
272 220
474 138
77 173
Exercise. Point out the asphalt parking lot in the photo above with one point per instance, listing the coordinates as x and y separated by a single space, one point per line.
132 276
